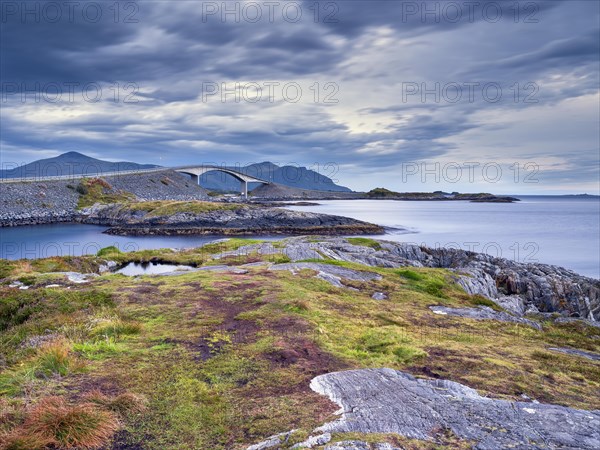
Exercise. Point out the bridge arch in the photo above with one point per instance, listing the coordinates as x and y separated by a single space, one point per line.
197 171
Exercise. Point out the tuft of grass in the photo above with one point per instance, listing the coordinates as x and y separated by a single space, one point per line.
107 251
24 441
54 423
407 354
425 282
410 274
122 404
365 242
113 326
99 349
55 358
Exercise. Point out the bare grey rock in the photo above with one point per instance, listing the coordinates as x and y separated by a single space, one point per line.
222 268
379 296
575 352
108 266
390 401
518 287
513 304
294 252
313 441
273 441
328 272
78 278
385 446
483 313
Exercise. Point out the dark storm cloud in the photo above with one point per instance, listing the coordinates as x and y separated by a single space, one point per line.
174 48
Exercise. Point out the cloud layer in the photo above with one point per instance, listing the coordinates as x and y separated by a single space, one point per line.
377 88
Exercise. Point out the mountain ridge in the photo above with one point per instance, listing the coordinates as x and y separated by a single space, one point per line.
70 163
75 163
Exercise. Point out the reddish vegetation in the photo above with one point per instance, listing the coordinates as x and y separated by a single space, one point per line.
54 422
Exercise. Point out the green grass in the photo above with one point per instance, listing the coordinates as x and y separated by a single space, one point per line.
167 208
99 349
225 360
365 242
98 190
410 274
6 268
108 251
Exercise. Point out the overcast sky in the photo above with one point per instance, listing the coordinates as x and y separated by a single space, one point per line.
370 93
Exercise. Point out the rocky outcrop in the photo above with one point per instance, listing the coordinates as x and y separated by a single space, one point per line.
334 275
527 287
483 313
234 220
390 401
519 288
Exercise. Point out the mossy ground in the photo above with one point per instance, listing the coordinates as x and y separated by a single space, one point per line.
167 208
225 360
98 190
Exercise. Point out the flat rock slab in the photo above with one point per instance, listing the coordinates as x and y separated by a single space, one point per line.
329 272
575 352
222 268
390 401
483 313
78 278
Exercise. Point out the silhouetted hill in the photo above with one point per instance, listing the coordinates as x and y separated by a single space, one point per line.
71 163
298 177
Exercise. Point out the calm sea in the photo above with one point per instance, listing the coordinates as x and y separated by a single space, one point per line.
553 230
564 231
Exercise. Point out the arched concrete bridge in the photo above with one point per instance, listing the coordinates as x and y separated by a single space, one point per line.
197 171
194 171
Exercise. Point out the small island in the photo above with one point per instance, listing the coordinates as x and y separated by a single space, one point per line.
385 194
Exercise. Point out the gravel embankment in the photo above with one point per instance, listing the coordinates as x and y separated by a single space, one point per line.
32 203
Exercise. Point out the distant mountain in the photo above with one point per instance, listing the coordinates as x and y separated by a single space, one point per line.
71 163
293 176
74 163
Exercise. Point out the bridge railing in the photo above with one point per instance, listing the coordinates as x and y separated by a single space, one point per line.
125 172
80 176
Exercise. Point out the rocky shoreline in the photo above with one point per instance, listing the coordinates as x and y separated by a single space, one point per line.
519 288
230 220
